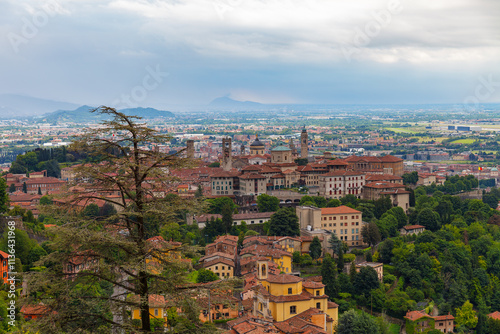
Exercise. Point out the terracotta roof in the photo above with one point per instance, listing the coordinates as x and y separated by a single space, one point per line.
413 227
390 158
495 315
218 254
337 162
154 300
338 210
312 285
343 173
332 305
35 309
382 177
283 279
4 255
384 185
444 317
217 261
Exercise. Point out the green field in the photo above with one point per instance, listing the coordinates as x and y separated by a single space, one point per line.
436 139
463 141
403 130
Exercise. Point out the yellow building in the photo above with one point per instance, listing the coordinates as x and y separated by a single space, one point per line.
282 258
281 297
157 308
223 268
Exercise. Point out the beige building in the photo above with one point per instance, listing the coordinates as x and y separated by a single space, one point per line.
223 268
223 183
344 221
252 184
339 183
396 192
412 229
281 154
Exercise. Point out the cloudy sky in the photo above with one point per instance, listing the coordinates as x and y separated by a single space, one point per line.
188 52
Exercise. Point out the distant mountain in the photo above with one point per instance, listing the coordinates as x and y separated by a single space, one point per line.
147 112
83 114
14 106
226 102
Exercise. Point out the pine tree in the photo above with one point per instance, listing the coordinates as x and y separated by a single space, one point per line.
39 191
115 246
340 259
315 248
329 275
25 188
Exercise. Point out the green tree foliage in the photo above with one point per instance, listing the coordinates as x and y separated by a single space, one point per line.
284 222
35 254
388 226
385 251
315 249
349 200
91 210
352 322
370 234
227 217
4 197
301 161
25 188
213 228
23 245
216 204
466 316
366 280
382 205
429 218
329 275
410 178
45 200
115 248
398 213
267 203
12 187
333 203
205 275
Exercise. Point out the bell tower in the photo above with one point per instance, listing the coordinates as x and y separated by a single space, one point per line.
227 162
262 270
190 149
304 153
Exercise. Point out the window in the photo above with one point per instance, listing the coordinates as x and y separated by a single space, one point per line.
223 267
317 292
289 291
156 312
318 305
293 309
216 267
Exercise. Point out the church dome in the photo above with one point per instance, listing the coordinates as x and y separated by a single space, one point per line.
257 142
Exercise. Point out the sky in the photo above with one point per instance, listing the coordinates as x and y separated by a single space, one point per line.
163 53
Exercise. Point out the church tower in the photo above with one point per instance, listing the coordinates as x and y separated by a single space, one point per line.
227 162
190 149
303 144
